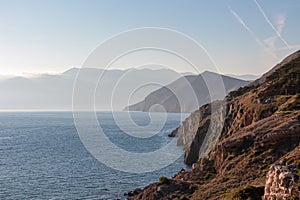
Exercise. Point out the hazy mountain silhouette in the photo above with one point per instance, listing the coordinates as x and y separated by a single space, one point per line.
54 92
246 77
188 93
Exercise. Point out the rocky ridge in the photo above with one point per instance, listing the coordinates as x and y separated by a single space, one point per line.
261 126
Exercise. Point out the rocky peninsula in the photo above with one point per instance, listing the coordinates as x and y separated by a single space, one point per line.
253 153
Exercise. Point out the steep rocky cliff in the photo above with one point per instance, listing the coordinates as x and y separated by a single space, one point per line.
257 145
201 130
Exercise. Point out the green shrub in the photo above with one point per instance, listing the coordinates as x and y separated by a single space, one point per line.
263 175
298 173
241 91
284 81
164 180
264 166
249 193
208 176
290 161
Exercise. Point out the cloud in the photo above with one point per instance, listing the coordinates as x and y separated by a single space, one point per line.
279 28
280 21
270 42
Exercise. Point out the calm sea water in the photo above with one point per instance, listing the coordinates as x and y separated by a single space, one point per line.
42 157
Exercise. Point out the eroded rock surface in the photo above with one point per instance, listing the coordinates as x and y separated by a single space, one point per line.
283 181
257 149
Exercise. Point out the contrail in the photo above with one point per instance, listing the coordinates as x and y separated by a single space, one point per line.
239 19
270 23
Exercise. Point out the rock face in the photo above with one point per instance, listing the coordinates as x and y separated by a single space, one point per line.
283 178
254 142
281 182
188 93
165 191
200 131
251 107
209 129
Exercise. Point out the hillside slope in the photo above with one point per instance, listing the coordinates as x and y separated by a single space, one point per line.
177 97
257 152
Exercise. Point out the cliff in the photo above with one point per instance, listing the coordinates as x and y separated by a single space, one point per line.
260 130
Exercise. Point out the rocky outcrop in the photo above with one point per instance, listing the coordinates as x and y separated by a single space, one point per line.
208 131
283 181
173 133
173 189
197 131
255 151
264 105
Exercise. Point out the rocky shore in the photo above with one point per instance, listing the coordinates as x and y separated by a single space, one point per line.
252 150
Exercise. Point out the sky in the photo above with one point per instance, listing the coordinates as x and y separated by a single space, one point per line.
51 36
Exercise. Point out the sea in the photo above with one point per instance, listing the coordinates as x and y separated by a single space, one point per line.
42 156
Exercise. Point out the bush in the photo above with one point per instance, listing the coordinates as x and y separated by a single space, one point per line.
298 173
241 91
249 193
290 161
264 166
164 180
263 175
208 176
284 81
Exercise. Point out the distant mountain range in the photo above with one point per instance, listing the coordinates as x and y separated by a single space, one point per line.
115 90
54 92
246 77
178 96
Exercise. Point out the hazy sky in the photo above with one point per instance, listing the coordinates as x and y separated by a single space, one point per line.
53 35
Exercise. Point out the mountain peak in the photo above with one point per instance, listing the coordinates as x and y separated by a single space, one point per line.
181 89
71 71
206 72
